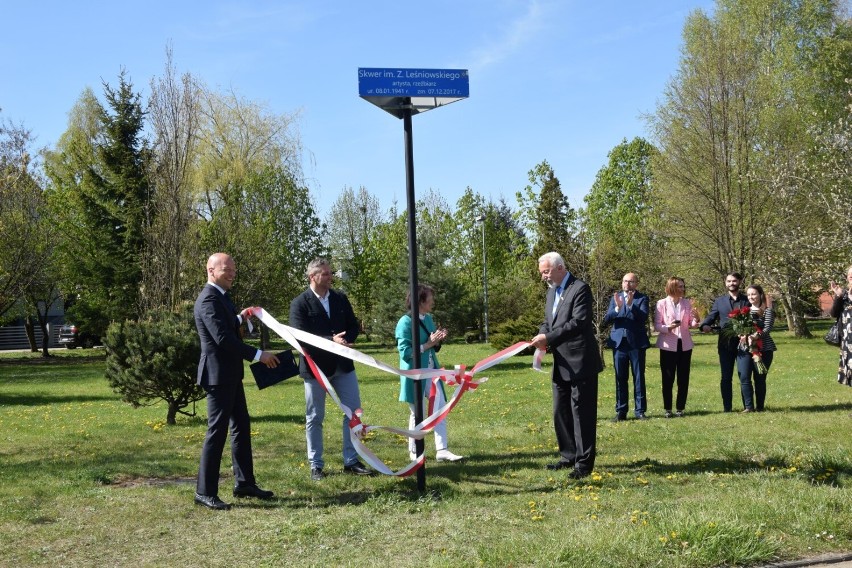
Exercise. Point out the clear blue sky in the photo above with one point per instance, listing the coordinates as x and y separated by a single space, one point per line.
562 80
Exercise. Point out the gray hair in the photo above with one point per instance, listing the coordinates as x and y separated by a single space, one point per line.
316 265
554 259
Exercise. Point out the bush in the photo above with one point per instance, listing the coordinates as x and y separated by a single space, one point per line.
522 328
155 359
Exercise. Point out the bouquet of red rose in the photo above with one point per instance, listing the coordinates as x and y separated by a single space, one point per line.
741 325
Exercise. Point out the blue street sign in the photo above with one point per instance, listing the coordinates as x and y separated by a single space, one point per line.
438 83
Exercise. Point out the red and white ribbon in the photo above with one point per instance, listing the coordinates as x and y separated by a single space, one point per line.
459 377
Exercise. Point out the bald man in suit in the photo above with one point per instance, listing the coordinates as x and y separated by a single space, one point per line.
220 374
569 331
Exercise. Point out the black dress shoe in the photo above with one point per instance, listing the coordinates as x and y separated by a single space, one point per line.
252 491
317 474
559 465
619 418
579 473
357 468
211 502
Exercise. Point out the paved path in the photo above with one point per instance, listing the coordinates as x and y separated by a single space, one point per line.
843 560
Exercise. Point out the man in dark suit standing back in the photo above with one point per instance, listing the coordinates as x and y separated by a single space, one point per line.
327 313
727 346
628 314
220 373
569 331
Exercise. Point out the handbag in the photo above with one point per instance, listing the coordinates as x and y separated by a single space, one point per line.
832 336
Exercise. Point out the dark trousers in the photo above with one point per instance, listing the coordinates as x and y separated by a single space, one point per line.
753 399
627 361
575 415
226 406
675 364
727 360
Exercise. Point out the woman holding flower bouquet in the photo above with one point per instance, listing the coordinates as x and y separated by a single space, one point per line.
756 348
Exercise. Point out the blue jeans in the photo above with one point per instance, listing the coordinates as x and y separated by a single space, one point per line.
753 399
346 386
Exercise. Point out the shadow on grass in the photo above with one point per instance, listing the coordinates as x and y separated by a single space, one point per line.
819 470
279 418
53 359
45 399
841 406
822 408
483 475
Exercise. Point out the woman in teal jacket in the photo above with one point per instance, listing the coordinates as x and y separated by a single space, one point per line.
429 342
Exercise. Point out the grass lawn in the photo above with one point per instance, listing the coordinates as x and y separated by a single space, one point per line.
89 481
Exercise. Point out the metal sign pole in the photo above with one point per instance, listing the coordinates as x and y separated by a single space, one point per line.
412 272
404 93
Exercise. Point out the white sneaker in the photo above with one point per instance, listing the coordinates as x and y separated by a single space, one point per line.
447 455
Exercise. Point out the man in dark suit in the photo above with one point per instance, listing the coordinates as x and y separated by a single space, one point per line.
327 313
220 373
569 332
628 314
727 347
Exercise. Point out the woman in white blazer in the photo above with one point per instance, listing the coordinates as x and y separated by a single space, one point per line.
672 320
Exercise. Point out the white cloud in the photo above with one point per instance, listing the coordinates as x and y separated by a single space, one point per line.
515 35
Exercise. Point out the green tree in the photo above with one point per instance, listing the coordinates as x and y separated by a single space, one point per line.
255 204
805 48
27 272
392 269
155 358
813 191
282 235
620 214
454 308
549 218
100 197
351 224
622 225
21 208
171 251
706 129
754 81
42 291
481 222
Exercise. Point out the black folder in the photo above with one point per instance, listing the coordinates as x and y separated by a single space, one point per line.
266 377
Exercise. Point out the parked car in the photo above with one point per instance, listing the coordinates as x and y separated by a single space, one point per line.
71 337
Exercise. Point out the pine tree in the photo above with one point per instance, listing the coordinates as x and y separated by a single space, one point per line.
155 359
